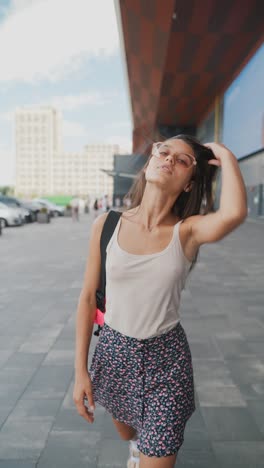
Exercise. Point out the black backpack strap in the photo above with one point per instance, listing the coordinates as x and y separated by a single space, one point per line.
107 232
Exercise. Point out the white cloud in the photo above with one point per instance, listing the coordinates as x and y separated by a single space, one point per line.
72 102
67 103
125 124
8 116
48 39
73 129
17 5
7 165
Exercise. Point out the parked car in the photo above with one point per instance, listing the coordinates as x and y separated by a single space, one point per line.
55 210
10 216
32 207
58 209
15 203
45 204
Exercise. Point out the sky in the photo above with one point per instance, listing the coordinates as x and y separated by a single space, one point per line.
244 108
65 54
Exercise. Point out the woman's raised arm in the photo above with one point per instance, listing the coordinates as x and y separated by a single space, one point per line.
233 201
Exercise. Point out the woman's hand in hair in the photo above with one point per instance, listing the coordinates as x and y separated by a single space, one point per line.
220 151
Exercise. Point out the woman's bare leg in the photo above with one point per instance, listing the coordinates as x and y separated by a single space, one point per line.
126 432
157 462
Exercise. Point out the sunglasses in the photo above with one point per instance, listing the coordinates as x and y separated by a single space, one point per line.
161 150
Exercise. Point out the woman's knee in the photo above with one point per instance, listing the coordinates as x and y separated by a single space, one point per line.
126 432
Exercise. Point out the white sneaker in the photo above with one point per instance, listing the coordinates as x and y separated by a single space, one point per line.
133 461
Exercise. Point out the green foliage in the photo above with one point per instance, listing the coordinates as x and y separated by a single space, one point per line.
7 190
61 200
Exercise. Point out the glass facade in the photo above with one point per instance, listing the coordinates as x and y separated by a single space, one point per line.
243 112
241 119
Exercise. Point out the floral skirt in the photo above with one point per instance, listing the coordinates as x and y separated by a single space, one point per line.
147 384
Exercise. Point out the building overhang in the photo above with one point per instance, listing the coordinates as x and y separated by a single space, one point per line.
119 174
181 55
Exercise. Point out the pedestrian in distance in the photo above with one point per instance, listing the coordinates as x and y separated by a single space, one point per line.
75 209
141 370
95 208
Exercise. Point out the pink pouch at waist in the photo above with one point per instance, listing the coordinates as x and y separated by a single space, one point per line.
99 317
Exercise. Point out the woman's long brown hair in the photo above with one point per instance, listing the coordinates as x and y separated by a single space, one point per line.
200 199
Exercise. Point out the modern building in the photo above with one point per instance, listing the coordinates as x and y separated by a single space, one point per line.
198 70
37 137
43 168
83 173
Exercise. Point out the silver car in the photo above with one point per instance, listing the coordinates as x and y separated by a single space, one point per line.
55 210
15 203
10 216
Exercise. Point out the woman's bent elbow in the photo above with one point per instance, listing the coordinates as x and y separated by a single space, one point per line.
87 299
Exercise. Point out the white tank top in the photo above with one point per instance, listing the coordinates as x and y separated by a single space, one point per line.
143 291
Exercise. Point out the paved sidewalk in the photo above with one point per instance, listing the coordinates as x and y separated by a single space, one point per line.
222 312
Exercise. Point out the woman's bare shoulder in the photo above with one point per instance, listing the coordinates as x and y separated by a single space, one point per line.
98 223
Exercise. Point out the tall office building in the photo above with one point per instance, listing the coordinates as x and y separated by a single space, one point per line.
81 173
43 168
38 138
100 156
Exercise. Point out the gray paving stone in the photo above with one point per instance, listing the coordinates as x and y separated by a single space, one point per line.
30 410
49 382
234 348
205 350
196 437
70 449
21 360
108 429
256 409
17 464
22 439
4 412
200 458
59 357
113 453
251 328
231 424
252 391
68 402
37 345
64 344
71 420
10 392
239 455
248 369
257 347
206 370
15 376
214 394
10 342
5 355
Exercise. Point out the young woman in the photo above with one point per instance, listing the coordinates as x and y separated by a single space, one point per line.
141 370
